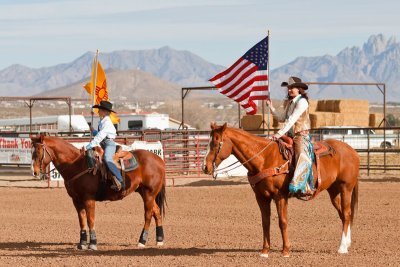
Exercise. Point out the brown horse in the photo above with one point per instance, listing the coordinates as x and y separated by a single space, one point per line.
339 176
83 186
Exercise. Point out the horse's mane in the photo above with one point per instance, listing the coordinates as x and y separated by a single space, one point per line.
64 142
248 135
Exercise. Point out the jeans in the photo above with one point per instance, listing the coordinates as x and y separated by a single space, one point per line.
109 151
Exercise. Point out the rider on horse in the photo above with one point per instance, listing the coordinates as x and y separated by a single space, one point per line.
105 138
296 125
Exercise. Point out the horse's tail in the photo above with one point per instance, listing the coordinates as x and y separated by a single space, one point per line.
354 202
161 200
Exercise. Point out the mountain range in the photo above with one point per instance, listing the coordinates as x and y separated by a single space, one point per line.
160 73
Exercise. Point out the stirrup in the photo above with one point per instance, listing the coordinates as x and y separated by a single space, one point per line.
116 184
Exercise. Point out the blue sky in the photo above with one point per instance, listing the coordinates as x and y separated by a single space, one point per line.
40 33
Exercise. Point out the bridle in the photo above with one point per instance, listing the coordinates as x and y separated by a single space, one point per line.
225 169
44 173
44 152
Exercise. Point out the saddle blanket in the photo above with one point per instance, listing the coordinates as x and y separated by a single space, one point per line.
128 164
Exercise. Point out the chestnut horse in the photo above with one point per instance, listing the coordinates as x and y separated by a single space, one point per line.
82 185
338 172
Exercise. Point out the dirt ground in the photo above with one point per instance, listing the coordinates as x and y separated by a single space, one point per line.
207 223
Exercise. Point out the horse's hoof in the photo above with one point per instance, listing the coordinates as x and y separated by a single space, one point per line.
286 255
264 255
160 243
140 245
343 251
82 247
93 247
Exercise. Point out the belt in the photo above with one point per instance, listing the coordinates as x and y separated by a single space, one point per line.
304 132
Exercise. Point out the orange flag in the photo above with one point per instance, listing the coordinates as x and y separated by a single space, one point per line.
101 89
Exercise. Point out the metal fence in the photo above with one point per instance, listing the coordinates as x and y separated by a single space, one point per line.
184 150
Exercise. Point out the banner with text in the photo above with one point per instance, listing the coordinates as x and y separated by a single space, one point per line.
15 150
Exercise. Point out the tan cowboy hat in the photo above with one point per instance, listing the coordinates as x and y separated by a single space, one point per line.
104 105
294 82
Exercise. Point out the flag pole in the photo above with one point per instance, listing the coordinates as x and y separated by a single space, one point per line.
95 62
269 83
269 87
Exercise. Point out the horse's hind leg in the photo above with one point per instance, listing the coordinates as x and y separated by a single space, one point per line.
159 227
345 195
148 201
334 194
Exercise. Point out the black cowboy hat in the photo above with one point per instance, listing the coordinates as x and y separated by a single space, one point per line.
104 105
294 82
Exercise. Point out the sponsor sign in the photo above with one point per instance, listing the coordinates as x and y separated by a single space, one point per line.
155 147
15 150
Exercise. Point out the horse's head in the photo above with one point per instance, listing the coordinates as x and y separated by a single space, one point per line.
41 156
219 148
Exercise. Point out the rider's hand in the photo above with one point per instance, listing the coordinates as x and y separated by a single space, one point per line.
274 137
89 146
269 104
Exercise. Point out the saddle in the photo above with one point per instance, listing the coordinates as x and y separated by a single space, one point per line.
124 160
321 149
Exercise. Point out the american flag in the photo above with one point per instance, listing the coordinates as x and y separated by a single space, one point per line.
247 79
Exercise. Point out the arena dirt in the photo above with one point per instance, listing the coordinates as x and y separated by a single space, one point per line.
207 223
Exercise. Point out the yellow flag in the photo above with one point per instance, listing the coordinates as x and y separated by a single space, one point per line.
101 92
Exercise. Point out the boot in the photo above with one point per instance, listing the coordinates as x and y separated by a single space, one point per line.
116 184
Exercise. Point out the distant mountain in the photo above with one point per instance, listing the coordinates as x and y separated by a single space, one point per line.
378 60
182 67
135 85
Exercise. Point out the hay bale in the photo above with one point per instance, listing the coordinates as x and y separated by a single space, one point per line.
320 105
312 105
254 122
251 122
349 105
319 119
356 119
375 119
342 106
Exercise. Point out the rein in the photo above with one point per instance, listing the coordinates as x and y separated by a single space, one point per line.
223 170
45 149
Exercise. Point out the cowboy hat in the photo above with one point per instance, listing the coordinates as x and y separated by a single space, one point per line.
104 105
294 82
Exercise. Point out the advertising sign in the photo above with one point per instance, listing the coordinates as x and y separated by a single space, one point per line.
15 150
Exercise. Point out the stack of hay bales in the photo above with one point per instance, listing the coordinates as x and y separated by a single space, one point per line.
344 112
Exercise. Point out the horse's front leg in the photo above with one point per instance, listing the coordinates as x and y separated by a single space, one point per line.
80 209
282 207
264 203
90 207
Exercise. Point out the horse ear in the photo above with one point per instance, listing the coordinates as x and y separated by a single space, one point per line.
224 126
213 125
34 138
42 137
